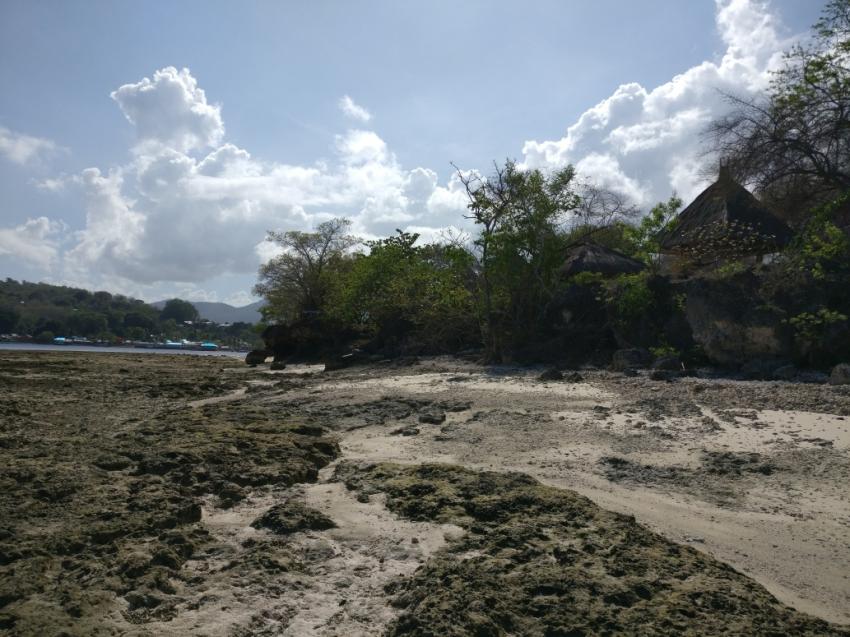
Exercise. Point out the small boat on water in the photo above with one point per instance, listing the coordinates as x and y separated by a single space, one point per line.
73 340
207 346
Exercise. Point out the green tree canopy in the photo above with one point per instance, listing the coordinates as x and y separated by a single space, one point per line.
295 282
520 247
179 311
400 288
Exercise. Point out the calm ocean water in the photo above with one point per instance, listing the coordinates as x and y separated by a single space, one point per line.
117 350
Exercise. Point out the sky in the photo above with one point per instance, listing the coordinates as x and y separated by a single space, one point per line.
147 147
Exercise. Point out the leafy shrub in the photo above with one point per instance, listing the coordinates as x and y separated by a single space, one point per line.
587 278
629 297
811 326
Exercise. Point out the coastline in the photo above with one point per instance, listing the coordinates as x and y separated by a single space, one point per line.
111 349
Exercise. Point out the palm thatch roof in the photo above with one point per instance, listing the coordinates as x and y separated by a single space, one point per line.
725 220
589 256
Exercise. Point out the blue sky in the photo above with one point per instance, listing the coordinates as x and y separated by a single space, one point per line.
146 147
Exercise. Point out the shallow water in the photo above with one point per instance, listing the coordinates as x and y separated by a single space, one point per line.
115 350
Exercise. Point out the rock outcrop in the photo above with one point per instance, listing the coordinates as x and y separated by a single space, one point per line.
729 323
634 358
256 357
840 375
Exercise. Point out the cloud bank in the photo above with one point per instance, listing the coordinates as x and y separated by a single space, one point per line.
646 143
35 242
191 206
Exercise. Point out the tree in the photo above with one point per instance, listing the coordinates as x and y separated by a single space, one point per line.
295 282
519 214
86 323
140 319
403 294
179 311
644 237
9 318
794 143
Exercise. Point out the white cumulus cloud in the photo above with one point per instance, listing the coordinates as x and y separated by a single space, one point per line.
35 241
191 207
352 109
171 110
24 149
647 142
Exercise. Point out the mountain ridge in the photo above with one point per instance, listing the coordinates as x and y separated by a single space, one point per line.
223 312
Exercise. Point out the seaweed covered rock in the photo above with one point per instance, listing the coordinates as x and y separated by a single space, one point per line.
292 516
104 509
536 560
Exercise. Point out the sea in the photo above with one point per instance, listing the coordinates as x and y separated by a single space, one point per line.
115 350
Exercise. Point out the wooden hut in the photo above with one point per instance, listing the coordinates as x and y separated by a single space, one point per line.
589 256
724 222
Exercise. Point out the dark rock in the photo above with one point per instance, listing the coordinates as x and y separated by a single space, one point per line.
310 338
454 405
256 357
187 514
112 463
230 494
346 360
551 374
668 363
664 374
786 372
760 369
812 376
574 377
105 533
135 564
167 558
410 430
840 375
334 364
277 365
634 358
136 600
292 516
432 417
731 324
630 371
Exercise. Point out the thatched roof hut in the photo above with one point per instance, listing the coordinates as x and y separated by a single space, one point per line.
725 221
589 256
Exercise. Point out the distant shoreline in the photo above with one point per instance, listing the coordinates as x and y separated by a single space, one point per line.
113 349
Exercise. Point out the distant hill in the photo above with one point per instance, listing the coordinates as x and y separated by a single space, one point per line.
224 313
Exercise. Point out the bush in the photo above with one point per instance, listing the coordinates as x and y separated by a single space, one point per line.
629 298
45 337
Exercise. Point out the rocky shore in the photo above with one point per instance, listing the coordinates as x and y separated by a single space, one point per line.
151 495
